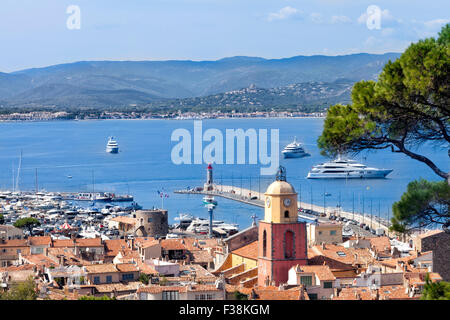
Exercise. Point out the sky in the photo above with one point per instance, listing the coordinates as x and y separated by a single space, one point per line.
38 33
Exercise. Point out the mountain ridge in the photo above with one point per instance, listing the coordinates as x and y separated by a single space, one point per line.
140 82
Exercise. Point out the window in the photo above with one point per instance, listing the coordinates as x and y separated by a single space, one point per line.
128 277
170 295
328 284
96 280
320 232
312 296
209 297
149 220
200 297
264 243
332 232
341 254
108 279
306 280
286 214
19 251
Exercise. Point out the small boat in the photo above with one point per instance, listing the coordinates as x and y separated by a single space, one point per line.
69 177
209 200
112 146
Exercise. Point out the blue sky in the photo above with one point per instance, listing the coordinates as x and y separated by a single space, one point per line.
33 33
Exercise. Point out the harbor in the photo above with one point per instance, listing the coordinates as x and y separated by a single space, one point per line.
307 211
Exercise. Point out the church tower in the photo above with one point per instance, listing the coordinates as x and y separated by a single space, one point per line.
281 238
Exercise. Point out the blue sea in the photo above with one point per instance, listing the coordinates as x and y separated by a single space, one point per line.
59 149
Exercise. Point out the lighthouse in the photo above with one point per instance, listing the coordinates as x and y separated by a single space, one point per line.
209 178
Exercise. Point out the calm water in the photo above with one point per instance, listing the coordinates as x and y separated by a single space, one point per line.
143 166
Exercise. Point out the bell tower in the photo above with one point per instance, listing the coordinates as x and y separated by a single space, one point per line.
282 238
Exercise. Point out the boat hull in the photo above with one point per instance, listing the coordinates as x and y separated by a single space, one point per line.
112 150
288 154
380 174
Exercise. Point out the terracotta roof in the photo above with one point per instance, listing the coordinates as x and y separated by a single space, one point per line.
201 256
110 287
145 268
173 244
274 293
101 268
89 242
14 243
40 241
112 247
199 244
63 243
364 293
249 251
334 265
40 260
380 244
345 255
24 267
322 272
125 220
126 267
193 288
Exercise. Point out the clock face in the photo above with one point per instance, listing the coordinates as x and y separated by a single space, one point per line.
287 202
268 202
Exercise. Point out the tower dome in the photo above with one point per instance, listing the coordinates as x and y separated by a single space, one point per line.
280 187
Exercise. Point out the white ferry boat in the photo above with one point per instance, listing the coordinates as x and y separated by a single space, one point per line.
346 169
112 146
294 150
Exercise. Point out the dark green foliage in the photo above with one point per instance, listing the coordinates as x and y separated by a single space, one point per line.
407 106
436 290
424 204
105 297
21 291
27 223
239 296
2 219
144 278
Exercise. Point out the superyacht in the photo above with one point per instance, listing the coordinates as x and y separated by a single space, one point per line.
294 150
112 146
345 169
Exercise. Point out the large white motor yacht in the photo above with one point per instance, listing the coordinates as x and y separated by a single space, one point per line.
294 150
112 146
345 169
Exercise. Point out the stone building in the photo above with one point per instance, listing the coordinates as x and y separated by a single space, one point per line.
437 241
151 223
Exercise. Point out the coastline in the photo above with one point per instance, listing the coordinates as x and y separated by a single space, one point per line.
174 119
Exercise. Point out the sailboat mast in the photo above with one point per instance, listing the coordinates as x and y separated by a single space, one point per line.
18 171
13 179
36 181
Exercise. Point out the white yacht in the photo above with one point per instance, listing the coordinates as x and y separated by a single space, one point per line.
294 150
112 146
345 169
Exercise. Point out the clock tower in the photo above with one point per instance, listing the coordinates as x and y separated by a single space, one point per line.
281 237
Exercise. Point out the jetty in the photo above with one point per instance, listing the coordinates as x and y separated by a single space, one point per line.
255 198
